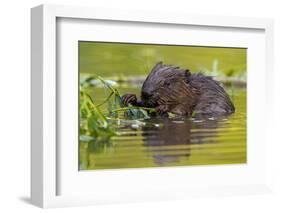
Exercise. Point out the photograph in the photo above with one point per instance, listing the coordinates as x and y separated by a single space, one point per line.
144 105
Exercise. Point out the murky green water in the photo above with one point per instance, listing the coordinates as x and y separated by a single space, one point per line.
171 142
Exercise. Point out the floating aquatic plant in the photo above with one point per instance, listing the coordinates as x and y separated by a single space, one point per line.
97 125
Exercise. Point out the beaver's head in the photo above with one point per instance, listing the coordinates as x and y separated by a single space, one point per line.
164 85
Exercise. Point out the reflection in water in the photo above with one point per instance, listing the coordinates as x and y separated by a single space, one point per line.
172 142
163 142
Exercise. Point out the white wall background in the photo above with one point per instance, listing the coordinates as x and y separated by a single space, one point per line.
15 98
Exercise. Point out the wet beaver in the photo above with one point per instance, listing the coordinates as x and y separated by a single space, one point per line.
169 88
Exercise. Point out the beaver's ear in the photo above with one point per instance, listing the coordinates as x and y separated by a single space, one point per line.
157 66
187 74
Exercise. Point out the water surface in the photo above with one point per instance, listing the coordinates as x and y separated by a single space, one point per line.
159 142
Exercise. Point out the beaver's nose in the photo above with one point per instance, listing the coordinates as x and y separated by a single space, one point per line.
146 95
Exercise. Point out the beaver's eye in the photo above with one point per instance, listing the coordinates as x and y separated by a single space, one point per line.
166 84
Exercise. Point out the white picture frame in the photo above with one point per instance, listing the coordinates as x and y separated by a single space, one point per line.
44 150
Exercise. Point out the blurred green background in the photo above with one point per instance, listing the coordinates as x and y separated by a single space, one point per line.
120 59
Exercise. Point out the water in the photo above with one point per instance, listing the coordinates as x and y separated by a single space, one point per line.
161 142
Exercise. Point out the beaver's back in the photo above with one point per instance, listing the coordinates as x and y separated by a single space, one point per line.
212 99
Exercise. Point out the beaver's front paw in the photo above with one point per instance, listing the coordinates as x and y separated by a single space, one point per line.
129 99
162 109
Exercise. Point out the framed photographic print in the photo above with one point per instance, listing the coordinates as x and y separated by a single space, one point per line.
130 106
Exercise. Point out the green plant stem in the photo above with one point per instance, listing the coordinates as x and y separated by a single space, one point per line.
115 91
128 108
106 100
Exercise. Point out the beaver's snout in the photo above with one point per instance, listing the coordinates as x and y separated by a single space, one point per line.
148 99
145 95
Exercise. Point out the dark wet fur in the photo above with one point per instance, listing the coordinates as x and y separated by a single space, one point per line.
169 88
